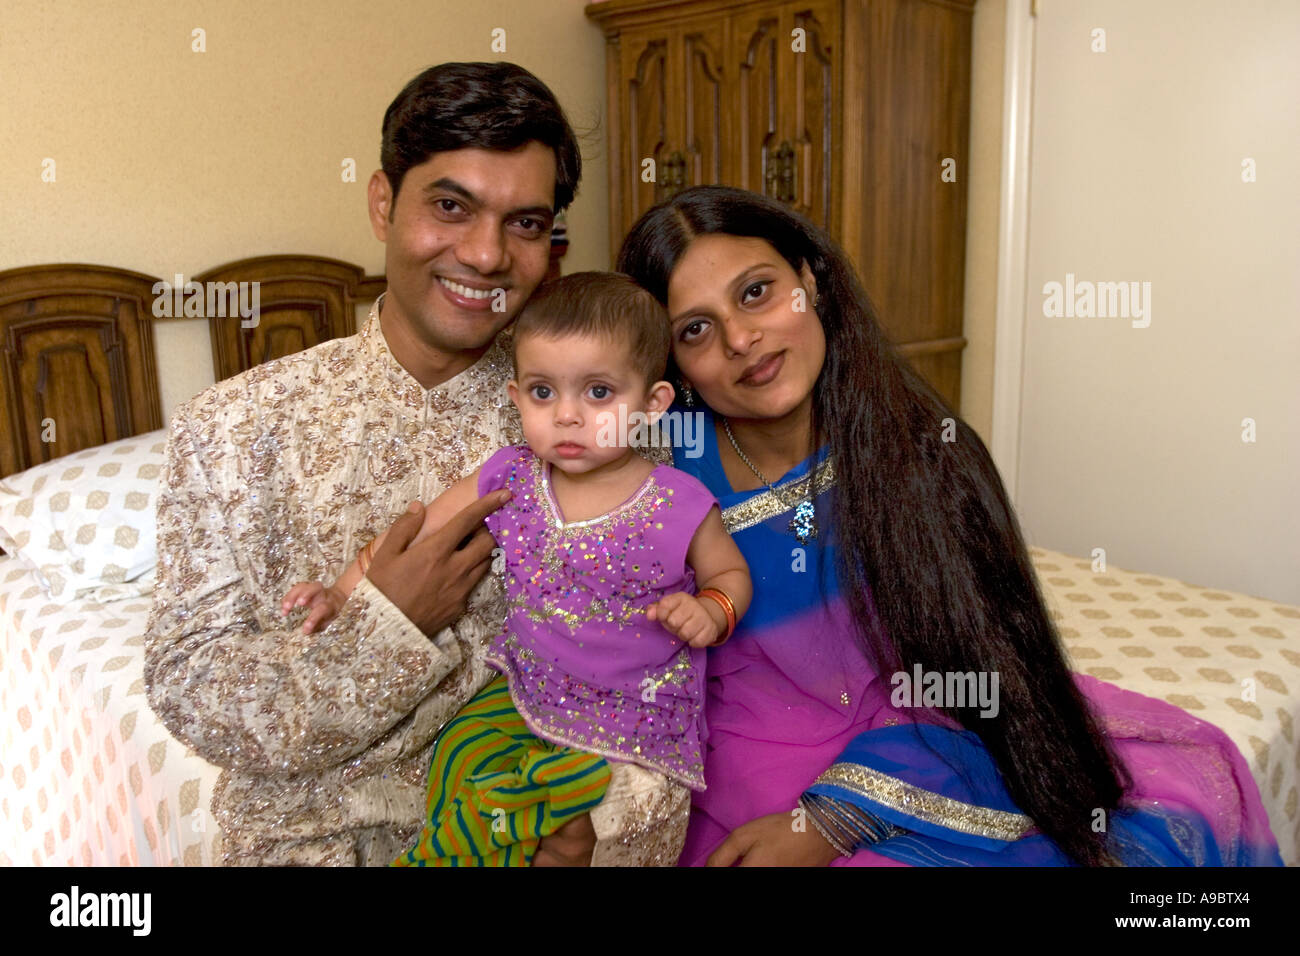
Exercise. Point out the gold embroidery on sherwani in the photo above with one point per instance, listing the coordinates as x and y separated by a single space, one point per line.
280 475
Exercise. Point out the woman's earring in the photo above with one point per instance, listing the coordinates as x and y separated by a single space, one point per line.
817 299
688 396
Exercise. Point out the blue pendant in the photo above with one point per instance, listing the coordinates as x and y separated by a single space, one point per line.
802 523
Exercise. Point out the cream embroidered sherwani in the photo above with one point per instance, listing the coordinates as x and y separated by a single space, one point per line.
280 475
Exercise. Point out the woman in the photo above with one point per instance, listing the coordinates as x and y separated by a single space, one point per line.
886 559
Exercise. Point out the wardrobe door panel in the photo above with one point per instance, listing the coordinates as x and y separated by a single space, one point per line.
647 90
813 110
757 48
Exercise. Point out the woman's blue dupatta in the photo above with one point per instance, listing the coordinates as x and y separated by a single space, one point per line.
908 775
943 787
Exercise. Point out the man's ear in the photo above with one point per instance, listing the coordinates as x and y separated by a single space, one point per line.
380 198
658 397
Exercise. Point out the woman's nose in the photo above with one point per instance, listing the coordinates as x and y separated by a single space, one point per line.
739 337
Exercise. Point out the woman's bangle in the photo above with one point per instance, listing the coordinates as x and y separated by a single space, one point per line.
366 556
846 827
810 811
728 609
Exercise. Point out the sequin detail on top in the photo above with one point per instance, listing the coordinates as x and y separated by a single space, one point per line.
586 669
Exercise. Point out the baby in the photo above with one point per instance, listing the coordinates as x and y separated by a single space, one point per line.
598 708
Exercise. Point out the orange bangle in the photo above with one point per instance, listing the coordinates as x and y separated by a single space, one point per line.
365 557
728 609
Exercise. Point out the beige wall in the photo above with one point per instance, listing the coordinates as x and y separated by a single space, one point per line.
173 161
1131 438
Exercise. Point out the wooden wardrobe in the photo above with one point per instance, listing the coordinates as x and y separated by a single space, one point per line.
851 111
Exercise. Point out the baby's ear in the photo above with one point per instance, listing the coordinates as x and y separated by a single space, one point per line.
512 389
658 398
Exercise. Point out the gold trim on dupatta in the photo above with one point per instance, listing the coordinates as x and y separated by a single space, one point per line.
926 805
767 505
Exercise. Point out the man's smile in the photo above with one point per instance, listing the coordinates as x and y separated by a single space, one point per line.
468 291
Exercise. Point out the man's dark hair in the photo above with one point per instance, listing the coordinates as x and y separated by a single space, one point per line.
607 305
486 105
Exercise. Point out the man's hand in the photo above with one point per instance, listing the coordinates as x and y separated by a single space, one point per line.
773 841
571 845
431 580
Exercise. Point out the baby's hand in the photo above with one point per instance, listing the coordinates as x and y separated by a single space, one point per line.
325 603
689 618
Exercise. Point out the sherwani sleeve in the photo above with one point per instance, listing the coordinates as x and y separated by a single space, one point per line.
234 680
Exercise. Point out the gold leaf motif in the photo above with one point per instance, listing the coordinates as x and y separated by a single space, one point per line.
1163 674
189 796
1272 682
1245 707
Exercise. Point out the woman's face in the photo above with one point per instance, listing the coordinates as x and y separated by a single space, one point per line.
745 334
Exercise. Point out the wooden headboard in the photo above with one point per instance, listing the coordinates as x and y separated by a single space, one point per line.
77 365
76 361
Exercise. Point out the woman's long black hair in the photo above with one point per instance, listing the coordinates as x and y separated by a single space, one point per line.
926 531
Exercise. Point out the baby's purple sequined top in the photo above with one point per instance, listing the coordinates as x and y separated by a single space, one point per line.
586 669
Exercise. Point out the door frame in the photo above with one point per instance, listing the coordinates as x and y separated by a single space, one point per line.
1013 242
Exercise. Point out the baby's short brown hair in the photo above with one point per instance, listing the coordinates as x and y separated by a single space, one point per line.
604 304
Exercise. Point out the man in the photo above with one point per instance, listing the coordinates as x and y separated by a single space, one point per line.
283 473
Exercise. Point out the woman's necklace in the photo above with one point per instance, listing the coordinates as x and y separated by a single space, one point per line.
803 524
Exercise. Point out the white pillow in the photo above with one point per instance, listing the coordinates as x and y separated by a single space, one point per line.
87 519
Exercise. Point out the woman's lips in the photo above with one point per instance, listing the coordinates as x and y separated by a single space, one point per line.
764 371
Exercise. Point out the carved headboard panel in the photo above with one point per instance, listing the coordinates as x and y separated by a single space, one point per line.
303 301
76 361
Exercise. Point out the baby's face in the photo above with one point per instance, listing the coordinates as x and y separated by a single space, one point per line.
569 392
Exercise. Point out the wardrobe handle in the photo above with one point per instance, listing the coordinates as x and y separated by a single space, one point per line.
772 175
673 179
786 163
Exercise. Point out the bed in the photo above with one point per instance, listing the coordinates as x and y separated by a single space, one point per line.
89 776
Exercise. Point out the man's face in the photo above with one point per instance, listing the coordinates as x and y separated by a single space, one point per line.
469 228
